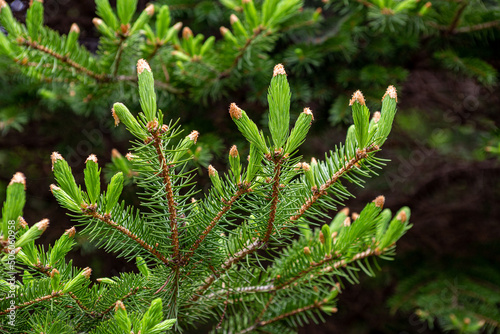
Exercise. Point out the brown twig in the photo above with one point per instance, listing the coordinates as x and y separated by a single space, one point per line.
456 18
64 59
228 264
317 304
241 52
481 26
165 174
214 222
129 234
78 302
31 302
324 187
274 201
118 56
271 288
133 291
309 202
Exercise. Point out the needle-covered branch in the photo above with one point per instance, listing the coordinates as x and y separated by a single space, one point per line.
203 257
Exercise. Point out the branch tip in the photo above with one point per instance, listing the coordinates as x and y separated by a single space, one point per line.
23 222
54 157
402 217
97 21
177 26
194 136
74 28
150 10
357 97
235 111
233 152
87 272
223 30
142 65
379 201
212 171
115 154
115 117
70 232
42 224
233 19
279 69
187 33
91 157
308 111
391 91
119 305
18 178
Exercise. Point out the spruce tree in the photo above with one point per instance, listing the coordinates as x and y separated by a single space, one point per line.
257 251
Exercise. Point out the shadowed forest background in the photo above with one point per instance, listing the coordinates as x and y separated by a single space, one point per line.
444 149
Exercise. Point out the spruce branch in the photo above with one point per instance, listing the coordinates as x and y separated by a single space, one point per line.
322 191
237 257
165 174
274 199
64 59
90 211
333 266
79 303
243 189
315 305
54 294
456 17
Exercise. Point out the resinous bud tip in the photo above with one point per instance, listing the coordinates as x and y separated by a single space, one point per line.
187 33
194 136
379 201
308 111
54 157
119 305
115 154
91 157
74 28
279 69
150 10
233 152
307 251
234 111
177 26
357 97
18 178
212 171
402 217
115 117
86 272
376 117
70 232
42 224
97 21
142 65
233 19
22 222
223 30
391 91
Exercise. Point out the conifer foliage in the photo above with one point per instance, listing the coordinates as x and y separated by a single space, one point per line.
253 252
